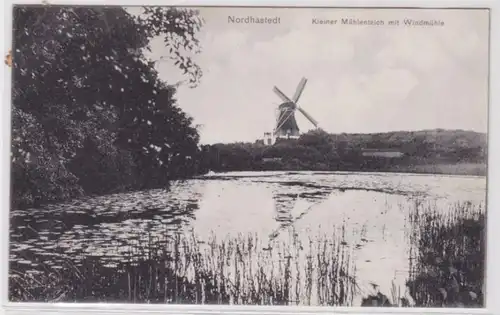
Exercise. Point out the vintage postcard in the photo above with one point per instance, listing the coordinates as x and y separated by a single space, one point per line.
249 156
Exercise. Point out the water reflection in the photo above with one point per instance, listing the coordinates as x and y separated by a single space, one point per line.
114 228
363 215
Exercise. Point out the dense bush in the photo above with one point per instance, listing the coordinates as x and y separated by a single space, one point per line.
90 115
449 270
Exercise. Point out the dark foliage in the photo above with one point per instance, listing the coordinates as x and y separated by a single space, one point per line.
449 268
90 114
379 300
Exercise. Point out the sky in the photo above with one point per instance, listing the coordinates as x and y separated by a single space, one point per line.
361 79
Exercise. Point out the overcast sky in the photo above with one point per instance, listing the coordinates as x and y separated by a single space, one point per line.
360 78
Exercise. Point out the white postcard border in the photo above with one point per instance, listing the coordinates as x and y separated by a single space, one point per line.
493 214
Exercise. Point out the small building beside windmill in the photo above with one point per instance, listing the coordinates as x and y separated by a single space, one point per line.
268 138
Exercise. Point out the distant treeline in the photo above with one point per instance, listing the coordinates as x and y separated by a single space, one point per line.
432 151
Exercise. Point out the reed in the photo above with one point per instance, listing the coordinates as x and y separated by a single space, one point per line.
448 265
185 270
447 258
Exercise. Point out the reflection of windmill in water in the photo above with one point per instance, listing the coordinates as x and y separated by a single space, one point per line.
286 125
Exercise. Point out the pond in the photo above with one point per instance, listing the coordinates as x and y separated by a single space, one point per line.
331 223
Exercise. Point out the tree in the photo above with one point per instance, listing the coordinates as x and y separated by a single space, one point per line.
81 82
323 142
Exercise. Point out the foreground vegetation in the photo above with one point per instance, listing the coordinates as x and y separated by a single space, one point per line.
447 269
447 262
449 266
186 270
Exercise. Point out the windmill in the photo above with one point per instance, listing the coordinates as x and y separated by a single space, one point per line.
286 125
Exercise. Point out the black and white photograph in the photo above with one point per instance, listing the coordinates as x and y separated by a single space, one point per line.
249 156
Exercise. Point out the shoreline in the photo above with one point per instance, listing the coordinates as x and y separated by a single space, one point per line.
206 176
428 169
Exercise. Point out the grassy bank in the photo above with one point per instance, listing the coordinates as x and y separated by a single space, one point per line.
459 169
467 169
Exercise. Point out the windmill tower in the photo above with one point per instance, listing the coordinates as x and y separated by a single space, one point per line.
286 125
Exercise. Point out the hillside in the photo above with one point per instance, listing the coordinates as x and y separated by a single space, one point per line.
427 151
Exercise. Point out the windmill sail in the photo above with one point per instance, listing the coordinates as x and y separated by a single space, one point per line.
282 95
299 90
309 117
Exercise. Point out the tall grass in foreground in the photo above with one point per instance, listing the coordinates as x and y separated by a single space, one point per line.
447 259
447 262
448 268
235 270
